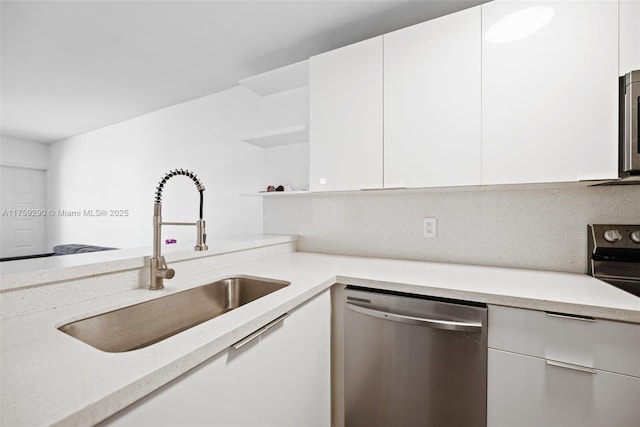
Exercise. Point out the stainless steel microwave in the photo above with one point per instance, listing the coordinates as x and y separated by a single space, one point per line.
629 115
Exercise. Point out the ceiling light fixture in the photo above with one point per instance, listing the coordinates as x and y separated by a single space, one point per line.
519 24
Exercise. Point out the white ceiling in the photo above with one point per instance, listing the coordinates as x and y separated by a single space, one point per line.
69 67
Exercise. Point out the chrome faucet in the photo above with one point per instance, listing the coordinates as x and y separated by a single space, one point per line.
158 266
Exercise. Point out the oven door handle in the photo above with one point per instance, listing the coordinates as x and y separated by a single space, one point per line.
448 325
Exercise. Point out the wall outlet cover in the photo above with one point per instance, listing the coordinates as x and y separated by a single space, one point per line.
429 227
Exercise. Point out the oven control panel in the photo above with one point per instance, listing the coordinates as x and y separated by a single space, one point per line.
614 255
614 236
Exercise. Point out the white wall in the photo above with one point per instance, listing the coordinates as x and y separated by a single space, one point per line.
118 168
21 153
540 228
288 164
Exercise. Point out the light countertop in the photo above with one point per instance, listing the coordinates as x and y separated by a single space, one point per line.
34 271
49 377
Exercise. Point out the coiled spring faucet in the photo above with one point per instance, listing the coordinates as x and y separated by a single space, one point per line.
158 266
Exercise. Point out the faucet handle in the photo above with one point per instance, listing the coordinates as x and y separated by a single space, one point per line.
159 272
166 273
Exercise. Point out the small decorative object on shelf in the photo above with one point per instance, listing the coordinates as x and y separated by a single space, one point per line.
272 188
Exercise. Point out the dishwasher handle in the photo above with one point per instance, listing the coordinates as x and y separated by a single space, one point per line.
448 325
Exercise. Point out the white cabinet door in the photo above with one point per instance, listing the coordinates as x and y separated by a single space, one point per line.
432 103
346 118
223 391
629 36
596 343
549 99
296 368
280 379
529 391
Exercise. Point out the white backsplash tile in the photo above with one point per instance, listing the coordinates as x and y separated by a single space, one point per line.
539 228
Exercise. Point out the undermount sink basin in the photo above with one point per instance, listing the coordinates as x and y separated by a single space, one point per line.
140 325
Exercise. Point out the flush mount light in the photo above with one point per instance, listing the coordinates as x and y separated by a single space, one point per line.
519 24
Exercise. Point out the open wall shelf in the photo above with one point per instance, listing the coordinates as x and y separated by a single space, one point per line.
277 137
280 80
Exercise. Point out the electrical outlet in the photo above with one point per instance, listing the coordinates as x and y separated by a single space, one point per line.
429 227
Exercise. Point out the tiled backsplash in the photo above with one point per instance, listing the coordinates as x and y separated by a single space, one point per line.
539 228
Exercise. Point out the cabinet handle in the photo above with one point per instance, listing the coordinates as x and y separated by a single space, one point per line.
569 316
418 321
570 366
260 331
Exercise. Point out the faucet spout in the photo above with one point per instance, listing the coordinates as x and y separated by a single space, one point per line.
158 266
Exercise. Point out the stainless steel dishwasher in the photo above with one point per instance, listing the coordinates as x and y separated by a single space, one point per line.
413 361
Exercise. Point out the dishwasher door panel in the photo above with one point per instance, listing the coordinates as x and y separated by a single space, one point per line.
402 371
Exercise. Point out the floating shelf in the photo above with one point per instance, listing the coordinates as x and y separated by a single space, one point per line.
277 137
276 193
279 80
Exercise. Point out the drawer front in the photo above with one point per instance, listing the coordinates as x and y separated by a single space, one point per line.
529 391
594 343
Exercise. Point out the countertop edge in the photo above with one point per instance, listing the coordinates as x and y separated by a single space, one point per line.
600 312
25 279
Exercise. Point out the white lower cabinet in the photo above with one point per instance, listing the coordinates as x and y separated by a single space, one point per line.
530 391
280 379
551 369
296 373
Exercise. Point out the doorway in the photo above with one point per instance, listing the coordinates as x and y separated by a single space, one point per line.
23 205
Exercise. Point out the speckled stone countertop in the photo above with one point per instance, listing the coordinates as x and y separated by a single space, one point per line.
35 271
50 378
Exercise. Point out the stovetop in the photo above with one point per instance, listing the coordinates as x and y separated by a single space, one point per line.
614 255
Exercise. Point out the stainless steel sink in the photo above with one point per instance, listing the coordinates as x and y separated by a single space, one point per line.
143 324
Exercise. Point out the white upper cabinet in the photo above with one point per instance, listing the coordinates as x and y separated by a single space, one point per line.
465 100
549 98
346 118
432 103
629 36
